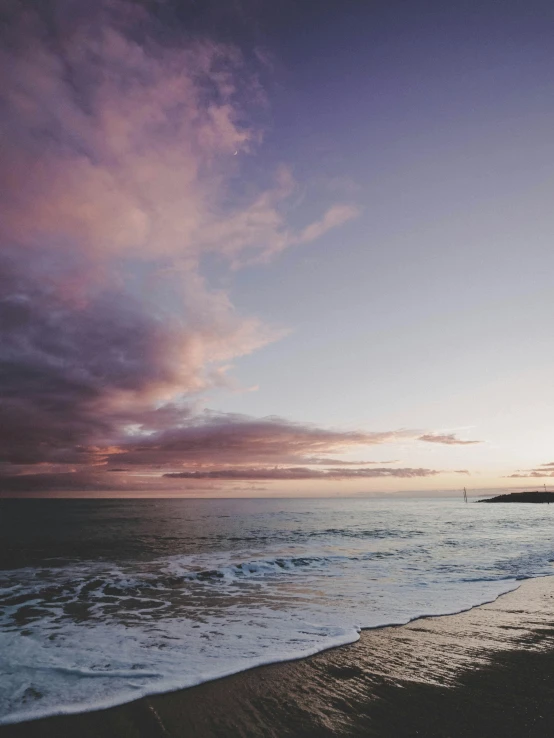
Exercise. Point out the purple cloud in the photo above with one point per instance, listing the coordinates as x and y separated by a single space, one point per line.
118 150
535 474
301 473
223 439
448 439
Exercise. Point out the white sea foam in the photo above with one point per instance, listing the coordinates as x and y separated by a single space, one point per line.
95 633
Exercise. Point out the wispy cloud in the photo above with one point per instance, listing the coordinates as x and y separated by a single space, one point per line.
448 439
533 473
334 217
542 470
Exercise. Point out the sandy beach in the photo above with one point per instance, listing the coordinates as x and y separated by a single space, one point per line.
486 672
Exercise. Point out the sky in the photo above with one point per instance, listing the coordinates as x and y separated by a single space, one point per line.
275 249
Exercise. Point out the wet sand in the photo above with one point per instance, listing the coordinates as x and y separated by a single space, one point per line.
486 672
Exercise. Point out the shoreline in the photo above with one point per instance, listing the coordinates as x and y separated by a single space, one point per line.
72 711
354 689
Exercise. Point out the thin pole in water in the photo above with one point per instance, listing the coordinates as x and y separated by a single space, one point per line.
465 494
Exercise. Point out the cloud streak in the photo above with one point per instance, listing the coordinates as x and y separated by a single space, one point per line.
543 470
448 439
302 473
532 475
229 439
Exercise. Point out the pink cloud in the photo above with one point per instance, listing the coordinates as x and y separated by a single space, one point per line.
218 439
138 163
335 216
543 470
119 152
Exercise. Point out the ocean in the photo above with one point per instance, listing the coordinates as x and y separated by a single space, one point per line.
105 601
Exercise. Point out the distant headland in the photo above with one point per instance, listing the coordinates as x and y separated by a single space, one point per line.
536 497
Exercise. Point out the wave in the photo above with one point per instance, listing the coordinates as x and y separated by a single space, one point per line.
264 567
133 687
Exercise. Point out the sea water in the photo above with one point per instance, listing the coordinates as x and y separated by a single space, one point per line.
104 601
